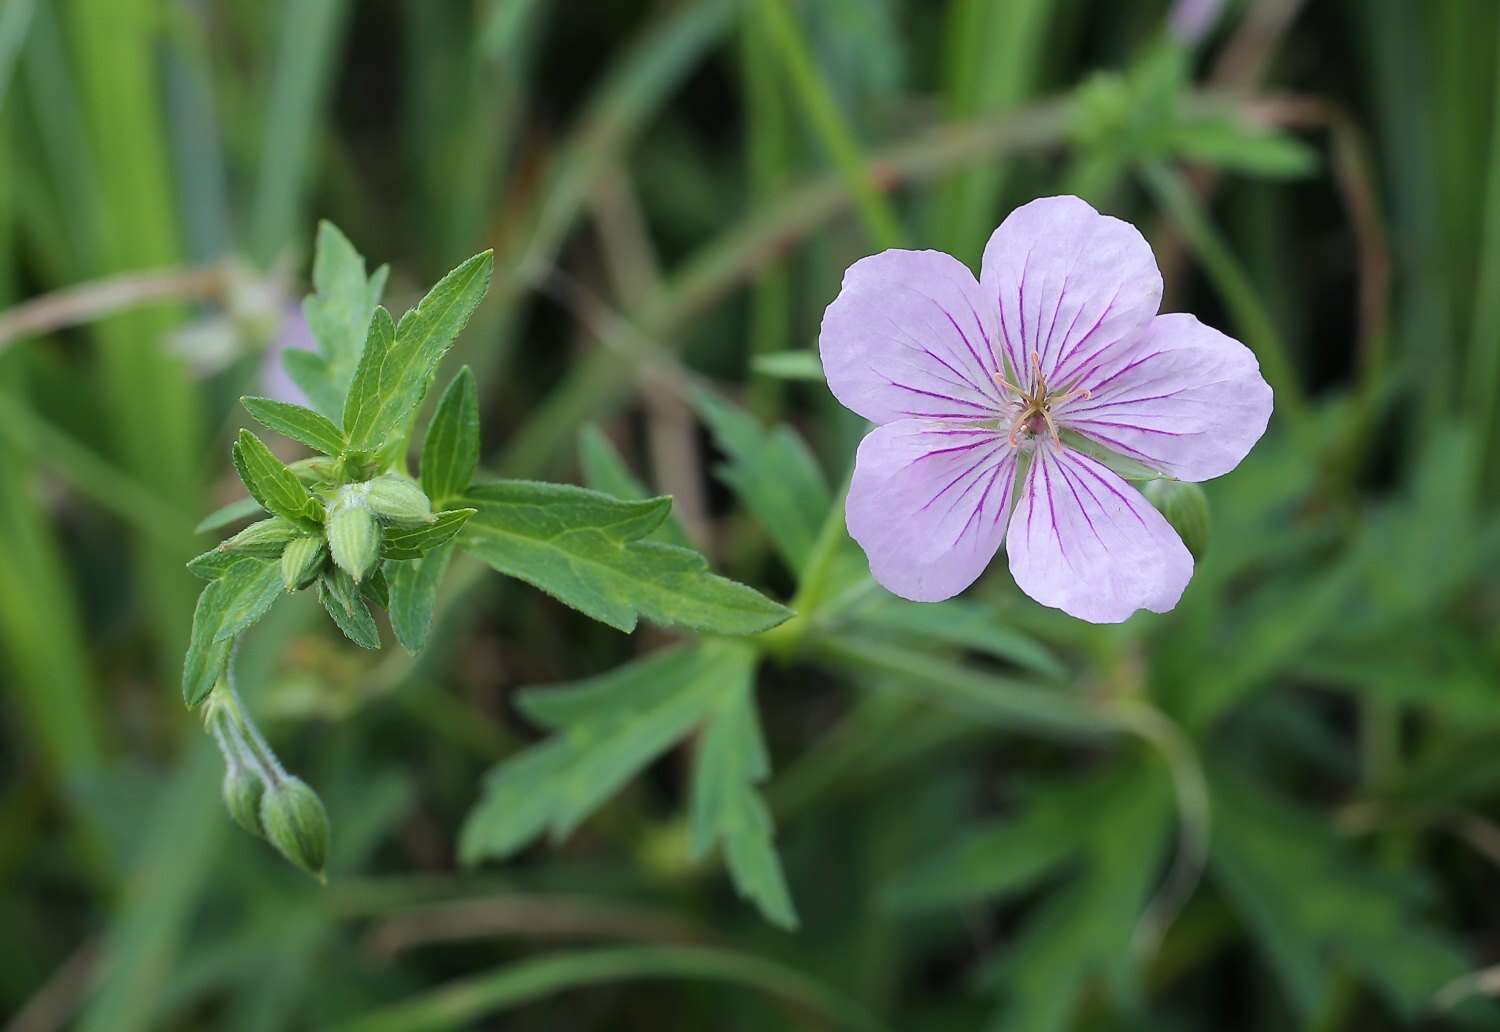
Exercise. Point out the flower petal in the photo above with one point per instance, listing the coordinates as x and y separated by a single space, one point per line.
1085 542
1189 401
909 336
1070 284
929 503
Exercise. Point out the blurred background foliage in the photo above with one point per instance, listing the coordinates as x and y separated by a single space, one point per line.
1274 808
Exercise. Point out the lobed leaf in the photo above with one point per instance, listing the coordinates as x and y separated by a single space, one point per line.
586 550
605 470
338 315
609 728
398 364
726 807
772 473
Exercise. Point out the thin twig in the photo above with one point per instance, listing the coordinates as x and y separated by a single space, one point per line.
97 299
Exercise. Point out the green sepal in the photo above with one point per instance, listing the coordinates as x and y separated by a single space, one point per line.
353 619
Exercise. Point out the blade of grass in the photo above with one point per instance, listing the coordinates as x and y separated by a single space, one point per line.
151 401
1234 286
462 1002
828 122
15 19
1484 340
760 240
310 37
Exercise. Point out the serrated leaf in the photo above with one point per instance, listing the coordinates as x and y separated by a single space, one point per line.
349 612
609 728
605 470
450 452
274 486
338 315
415 542
396 368
296 422
726 807
228 606
413 593
586 550
772 473
230 514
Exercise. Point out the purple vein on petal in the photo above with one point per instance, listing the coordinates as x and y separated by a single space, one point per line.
1063 360
936 394
1087 466
981 461
1129 426
1068 479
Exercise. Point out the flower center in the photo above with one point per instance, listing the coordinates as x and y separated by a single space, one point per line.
1037 403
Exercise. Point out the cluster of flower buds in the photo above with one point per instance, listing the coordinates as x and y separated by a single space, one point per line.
357 513
258 792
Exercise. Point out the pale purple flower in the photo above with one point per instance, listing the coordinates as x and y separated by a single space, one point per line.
293 334
991 396
1191 20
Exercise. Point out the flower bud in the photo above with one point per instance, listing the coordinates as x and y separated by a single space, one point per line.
399 500
301 561
353 534
1186 508
263 539
243 792
294 821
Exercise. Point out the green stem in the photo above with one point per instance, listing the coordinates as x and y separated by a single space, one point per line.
1484 343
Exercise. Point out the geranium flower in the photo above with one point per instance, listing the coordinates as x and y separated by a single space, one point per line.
1000 403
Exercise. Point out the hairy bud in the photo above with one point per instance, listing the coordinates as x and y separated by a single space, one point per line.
292 818
301 561
263 540
399 500
1186 508
353 533
243 792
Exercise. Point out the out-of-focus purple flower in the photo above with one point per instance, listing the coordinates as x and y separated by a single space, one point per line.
1191 20
996 398
292 334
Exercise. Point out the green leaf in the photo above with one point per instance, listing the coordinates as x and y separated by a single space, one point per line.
413 593
956 622
585 549
789 365
1318 910
230 514
450 453
338 315
605 470
273 485
1079 937
239 596
1224 142
298 423
348 610
726 807
608 728
416 541
999 858
773 475
311 373
396 368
